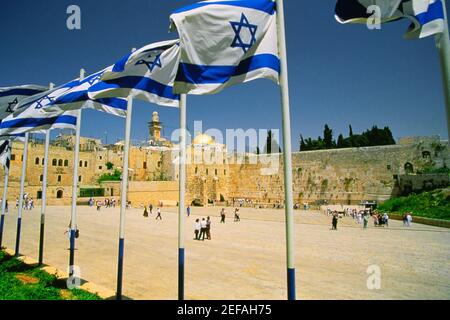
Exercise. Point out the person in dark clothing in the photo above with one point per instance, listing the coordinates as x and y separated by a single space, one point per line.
203 225
208 228
335 221
150 208
145 212
222 216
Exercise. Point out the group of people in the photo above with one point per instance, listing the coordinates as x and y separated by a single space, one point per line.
407 219
107 203
28 202
149 210
202 229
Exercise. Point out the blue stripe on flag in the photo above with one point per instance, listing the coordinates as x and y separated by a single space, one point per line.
138 83
20 92
82 96
38 122
113 103
267 6
435 12
197 74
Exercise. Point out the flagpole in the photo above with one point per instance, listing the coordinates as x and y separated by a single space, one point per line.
287 152
443 45
44 192
182 205
123 201
73 219
22 189
5 194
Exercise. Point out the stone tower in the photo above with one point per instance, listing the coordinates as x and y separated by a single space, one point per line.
155 128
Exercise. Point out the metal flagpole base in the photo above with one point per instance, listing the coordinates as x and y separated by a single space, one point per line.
19 227
120 269
2 223
291 284
72 253
181 274
41 241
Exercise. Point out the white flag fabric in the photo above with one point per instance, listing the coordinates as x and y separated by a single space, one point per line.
427 16
11 96
147 74
5 154
225 43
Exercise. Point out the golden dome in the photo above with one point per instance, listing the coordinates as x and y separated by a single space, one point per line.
203 139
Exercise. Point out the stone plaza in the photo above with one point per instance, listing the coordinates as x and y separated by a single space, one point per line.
244 260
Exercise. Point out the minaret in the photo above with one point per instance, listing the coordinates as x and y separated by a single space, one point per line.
155 127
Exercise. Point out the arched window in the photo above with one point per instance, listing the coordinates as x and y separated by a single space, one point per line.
41 178
66 163
196 170
43 161
59 178
409 169
81 163
59 194
79 178
60 163
54 162
37 161
85 164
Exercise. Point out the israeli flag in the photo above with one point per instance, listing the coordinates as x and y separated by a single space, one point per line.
147 74
427 16
38 121
74 96
32 114
11 96
224 43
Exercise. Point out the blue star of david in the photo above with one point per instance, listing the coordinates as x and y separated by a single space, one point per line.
39 103
237 28
11 105
151 64
95 78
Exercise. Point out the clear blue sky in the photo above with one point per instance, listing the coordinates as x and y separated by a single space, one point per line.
339 75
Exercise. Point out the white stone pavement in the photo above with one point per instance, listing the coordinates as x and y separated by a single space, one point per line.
245 260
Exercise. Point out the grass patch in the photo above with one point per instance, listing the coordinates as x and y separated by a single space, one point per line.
434 204
19 281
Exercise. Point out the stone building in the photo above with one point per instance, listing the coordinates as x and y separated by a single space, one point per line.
215 176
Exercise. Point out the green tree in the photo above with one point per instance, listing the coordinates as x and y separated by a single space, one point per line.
109 165
328 137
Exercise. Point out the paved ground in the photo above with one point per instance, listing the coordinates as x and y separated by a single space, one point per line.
246 260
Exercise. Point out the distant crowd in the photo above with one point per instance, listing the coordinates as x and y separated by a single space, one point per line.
363 217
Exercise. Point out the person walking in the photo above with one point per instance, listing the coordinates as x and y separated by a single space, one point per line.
188 211
365 220
408 219
150 208
334 222
145 212
386 219
203 229
158 212
237 218
222 216
208 228
197 229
